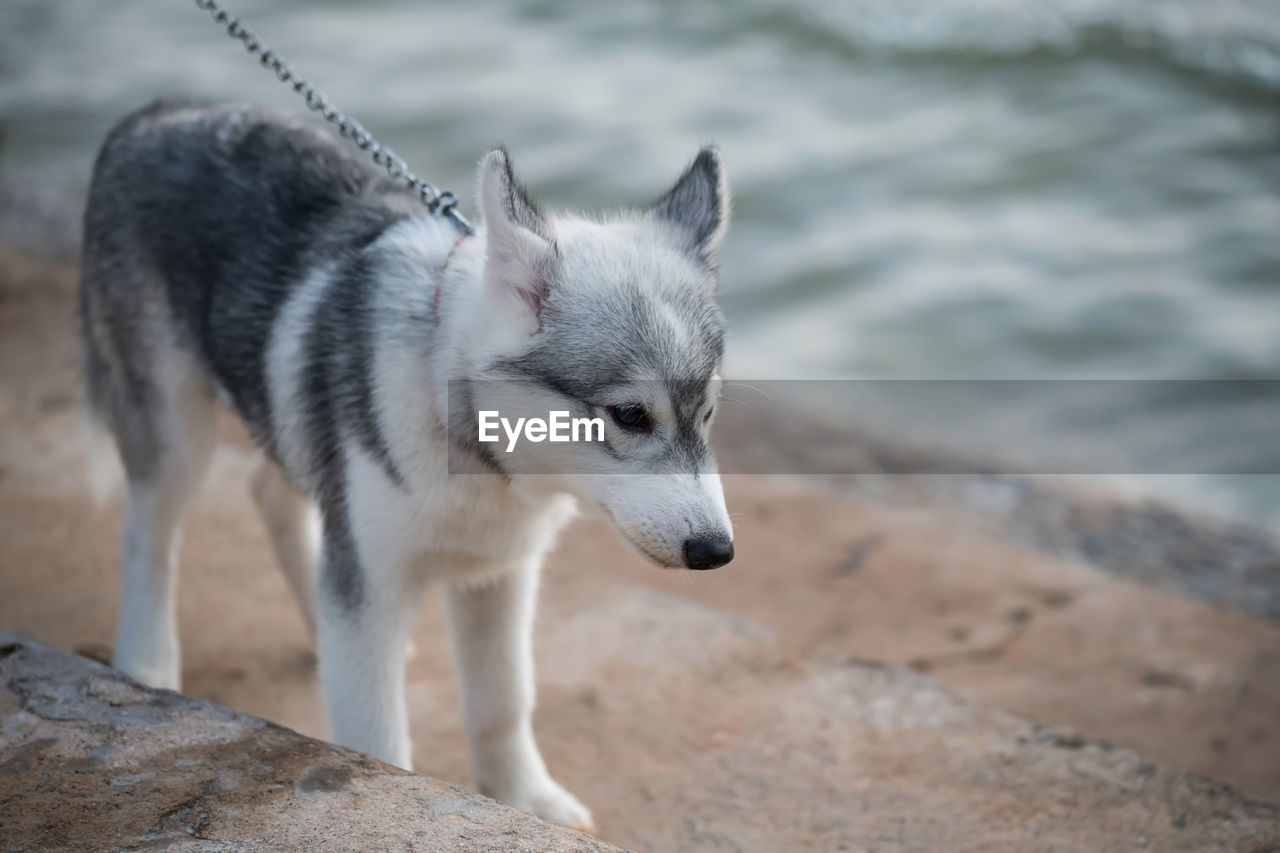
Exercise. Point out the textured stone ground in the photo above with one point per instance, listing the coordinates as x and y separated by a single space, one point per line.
770 705
91 761
851 756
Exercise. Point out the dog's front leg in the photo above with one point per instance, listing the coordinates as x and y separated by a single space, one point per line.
492 631
365 619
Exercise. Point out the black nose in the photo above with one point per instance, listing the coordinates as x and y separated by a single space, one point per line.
708 552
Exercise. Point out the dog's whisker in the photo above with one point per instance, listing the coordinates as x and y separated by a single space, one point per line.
740 383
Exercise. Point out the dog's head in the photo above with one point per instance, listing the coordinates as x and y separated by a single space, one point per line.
614 320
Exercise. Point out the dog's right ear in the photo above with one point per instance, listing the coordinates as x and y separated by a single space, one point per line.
698 206
520 244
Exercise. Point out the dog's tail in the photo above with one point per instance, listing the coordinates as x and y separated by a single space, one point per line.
103 470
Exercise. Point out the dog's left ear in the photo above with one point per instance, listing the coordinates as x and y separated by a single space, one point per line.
698 206
520 245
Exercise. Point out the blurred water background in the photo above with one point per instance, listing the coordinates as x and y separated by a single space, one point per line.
1033 189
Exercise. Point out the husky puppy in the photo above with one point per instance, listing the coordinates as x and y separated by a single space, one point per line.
243 257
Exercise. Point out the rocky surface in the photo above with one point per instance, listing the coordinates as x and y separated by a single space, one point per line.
90 760
852 756
770 705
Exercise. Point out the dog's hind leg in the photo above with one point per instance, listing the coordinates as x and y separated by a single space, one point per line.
165 443
492 626
293 525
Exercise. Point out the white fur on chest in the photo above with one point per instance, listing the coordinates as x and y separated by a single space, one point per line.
450 527
446 523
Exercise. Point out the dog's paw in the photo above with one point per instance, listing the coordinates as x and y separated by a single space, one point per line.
552 802
161 676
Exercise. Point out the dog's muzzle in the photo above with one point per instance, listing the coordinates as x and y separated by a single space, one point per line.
708 552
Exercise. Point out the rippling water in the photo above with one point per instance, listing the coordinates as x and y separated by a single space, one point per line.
950 188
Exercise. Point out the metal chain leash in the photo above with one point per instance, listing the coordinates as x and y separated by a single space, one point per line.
438 202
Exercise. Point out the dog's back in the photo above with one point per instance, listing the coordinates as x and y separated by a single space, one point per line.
199 224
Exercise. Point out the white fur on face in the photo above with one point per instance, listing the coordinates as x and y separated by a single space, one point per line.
658 513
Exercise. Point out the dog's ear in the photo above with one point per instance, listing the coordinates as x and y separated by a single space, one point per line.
520 245
698 206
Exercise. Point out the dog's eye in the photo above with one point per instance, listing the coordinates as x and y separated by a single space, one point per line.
631 416
707 416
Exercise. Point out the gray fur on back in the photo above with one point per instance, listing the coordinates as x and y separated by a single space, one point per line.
224 207
201 222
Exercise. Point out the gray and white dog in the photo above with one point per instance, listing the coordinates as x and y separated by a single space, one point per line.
241 256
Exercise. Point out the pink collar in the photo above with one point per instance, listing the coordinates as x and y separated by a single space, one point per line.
435 301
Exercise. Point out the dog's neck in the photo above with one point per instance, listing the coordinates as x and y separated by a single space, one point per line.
455 303
455 289
460 318
440 277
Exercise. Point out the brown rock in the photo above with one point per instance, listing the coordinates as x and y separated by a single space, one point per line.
90 761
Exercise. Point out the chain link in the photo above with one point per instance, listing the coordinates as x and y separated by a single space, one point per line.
440 203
